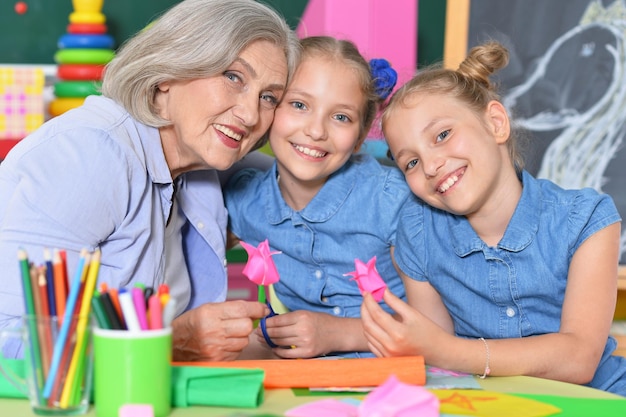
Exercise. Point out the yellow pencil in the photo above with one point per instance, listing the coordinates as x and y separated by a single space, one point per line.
71 382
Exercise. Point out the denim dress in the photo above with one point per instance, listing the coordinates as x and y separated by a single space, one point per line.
353 216
515 289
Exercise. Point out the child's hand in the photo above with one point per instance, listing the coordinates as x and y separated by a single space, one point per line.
406 333
300 334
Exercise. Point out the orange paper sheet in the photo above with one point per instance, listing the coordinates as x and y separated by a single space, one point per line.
307 373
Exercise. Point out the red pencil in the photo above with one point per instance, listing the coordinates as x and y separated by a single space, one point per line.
44 313
60 283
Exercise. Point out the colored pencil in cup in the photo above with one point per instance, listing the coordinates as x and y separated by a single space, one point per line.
60 282
76 368
61 341
29 309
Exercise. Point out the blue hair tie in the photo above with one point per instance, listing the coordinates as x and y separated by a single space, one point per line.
385 77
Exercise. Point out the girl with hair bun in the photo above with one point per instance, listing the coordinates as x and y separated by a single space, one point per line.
505 274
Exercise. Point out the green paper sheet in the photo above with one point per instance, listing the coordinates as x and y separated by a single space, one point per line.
7 389
582 407
217 387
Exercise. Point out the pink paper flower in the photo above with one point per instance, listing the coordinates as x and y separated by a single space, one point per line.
391 399
368 279
260 267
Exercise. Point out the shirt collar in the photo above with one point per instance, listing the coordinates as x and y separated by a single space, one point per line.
323 206
150 140
519 233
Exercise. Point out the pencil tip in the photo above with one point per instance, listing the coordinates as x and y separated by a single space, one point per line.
21 254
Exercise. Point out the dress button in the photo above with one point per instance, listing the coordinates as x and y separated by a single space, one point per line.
510 312
318 274
200 225
337 310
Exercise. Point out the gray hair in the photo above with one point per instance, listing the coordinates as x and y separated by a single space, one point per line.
194 39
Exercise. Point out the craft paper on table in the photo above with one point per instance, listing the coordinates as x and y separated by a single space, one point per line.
391 399
368 279
21 101
353 372
491 404
438 378
217 387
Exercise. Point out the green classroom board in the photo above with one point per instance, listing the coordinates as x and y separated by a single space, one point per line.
31 37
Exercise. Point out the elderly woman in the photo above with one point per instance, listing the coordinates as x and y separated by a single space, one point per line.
133 172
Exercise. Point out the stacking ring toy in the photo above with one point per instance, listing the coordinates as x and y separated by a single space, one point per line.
77 88
93 41
87 17
93 28
80 72
59 106
83 56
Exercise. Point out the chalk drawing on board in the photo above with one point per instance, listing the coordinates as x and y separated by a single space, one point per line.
571 95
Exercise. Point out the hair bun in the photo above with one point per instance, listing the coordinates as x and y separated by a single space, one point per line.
384 76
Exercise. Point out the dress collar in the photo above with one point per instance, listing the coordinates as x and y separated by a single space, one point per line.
322 207
519 233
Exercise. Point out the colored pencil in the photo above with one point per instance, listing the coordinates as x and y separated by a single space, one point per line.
52 299
113 294
60 283
61 341
45 331
140 306
98 310
29 308
169 312
76 365
109 309
128 308
156 316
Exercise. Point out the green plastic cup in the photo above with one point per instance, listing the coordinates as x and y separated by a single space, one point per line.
132 367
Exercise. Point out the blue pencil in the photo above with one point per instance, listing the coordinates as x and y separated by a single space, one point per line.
59 345
52 300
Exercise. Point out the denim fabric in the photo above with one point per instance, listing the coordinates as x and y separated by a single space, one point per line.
515 289
354 216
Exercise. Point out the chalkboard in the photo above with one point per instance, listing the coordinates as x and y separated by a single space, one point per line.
31 37
565 85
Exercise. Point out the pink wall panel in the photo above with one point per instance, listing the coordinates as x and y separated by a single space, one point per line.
380 28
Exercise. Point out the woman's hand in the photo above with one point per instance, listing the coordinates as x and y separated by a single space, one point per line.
215 331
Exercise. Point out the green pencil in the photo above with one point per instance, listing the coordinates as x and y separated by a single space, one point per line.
29 305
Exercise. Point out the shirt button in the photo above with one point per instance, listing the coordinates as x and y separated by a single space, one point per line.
337 310
318 274
225 262
325 299
510 312
200 225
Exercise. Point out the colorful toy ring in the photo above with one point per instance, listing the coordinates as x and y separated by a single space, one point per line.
83 56
59 106
77 88
84 72
94 41
93 28
87 17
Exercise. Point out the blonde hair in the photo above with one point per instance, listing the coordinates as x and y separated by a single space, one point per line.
470 83
194 39
347 52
